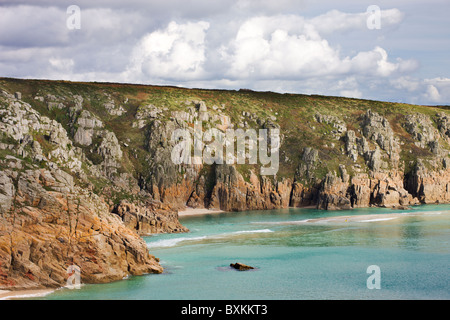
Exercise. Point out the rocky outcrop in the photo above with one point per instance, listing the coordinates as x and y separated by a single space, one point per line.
429 186
333 194
86 124
43 232
52 101
232 193
29 130
149 219
443 124
364 190
146 113
351 147
377 129
306 169
421 129
162 178
339 126
104 150
112 108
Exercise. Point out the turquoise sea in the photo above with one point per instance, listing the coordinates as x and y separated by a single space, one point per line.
297 254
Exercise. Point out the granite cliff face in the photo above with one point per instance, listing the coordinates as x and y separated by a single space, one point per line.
87 169
48 224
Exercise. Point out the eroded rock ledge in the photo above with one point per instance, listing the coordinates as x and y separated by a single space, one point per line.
152 218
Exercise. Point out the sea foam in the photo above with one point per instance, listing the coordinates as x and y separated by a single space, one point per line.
164 243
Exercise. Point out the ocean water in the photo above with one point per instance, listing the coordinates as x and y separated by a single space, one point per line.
297 254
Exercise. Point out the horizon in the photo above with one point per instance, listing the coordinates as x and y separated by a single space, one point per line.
218 89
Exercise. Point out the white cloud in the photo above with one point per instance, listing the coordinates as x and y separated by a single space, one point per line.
278 47
347 87
405 83
351 93
426 91
438 90
432 93
376 63
62 65
291 47
176 52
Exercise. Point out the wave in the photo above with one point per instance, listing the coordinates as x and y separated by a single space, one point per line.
377 219
27 294
165 243
434 212
252 231
275 223
172 242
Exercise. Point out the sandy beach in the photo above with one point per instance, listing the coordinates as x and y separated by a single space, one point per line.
20 294
197 211
357 218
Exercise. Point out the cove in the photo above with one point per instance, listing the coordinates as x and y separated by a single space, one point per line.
298 254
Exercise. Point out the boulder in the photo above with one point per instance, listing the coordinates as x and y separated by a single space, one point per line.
240 266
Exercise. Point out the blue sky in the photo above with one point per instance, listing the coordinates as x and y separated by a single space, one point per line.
312 47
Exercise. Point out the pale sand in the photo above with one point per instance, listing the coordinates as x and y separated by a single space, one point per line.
197 211
357 218
23 294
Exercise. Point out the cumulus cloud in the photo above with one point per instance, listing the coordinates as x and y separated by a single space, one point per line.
432 93
376 62
176 52
293 47
437 90
428 91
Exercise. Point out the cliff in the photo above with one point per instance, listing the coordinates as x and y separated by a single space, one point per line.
86 169
46 231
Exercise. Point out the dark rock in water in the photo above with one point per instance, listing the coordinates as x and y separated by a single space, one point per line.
240 266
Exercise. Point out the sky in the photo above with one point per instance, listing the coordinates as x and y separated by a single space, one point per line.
395 50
